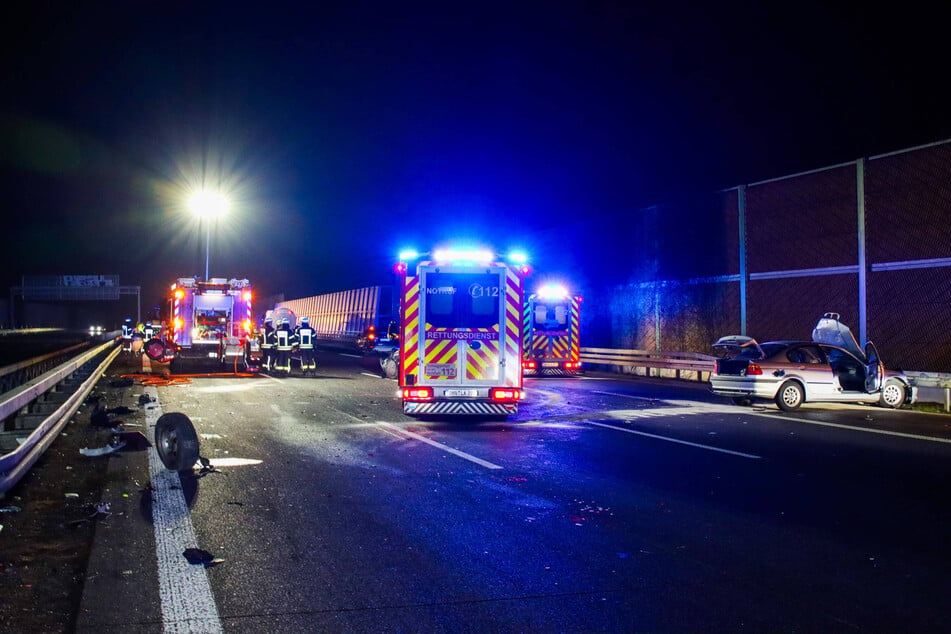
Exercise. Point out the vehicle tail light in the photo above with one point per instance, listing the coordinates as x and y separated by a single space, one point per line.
529 364
417 393
753 370
505 394
572 365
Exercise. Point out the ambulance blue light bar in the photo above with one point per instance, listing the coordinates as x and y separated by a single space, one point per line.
553 291
463 256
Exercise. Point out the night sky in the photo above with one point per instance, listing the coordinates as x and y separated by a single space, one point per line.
346 131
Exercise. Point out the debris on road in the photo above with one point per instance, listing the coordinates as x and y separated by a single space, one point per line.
199 556
102 451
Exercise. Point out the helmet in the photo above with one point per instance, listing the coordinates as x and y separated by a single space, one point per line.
269 320
285 321
305 320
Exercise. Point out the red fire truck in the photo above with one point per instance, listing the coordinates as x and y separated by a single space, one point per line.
212 320
460 343
551 329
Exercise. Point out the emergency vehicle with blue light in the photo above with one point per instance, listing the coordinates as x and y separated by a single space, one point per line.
552 326
460 340
212 320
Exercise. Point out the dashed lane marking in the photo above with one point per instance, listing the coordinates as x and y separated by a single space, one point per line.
390 427
676 440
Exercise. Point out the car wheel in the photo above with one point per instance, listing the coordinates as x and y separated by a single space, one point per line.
893 394
743 401
790 396
176 441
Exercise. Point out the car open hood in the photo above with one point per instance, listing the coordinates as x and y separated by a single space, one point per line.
833 332
735 343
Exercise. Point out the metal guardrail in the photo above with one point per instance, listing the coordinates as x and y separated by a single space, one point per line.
678 365
681 365
15 464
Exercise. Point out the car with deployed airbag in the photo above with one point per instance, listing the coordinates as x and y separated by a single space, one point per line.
831 368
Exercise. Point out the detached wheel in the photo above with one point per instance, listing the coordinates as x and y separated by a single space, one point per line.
742 401
176 441
790 396
893 394
389 366
155 349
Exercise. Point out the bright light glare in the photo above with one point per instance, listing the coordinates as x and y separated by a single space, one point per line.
208 204
553 291
480 256
408 254
518 257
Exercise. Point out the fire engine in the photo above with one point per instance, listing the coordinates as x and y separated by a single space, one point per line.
212 320
460 341
551 329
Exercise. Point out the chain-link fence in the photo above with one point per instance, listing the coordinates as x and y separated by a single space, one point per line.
870 240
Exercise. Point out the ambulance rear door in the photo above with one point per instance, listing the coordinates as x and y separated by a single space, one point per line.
463 338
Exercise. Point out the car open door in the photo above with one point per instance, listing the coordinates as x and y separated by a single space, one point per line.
874 370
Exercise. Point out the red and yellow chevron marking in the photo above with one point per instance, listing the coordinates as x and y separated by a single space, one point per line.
483 363
441 351
409 335
513 329
575 330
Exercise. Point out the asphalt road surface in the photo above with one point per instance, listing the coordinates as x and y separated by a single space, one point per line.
607 504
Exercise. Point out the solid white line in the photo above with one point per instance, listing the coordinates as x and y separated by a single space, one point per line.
439 445
375 376
352 356
679 442
188 604
630 396
867 430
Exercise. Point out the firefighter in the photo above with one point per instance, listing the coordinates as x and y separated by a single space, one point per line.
268 338
304 335
283 347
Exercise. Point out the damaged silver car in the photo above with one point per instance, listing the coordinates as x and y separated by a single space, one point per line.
831 368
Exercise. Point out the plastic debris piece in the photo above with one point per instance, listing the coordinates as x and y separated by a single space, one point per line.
199 556
72 496
102 451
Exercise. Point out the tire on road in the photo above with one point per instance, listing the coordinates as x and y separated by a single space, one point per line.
176 441
790 396
743 401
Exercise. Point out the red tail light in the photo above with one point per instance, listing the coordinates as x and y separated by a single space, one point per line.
753 370
417 393
529 365
572 365
505 394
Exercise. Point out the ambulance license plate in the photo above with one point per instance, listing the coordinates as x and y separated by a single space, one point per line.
472 393
550 365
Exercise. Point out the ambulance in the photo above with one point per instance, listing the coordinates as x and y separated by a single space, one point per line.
212 320
460 343
551 325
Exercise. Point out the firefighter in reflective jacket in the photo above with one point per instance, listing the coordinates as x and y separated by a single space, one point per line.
268 339
283 347
305 345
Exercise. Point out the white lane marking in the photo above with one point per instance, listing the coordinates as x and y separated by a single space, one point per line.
676 440
630 396
439 445
233 462
375 376
352 356
867 430
188 604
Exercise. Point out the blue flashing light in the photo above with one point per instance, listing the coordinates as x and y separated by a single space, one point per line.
553 291
518 257
408 254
